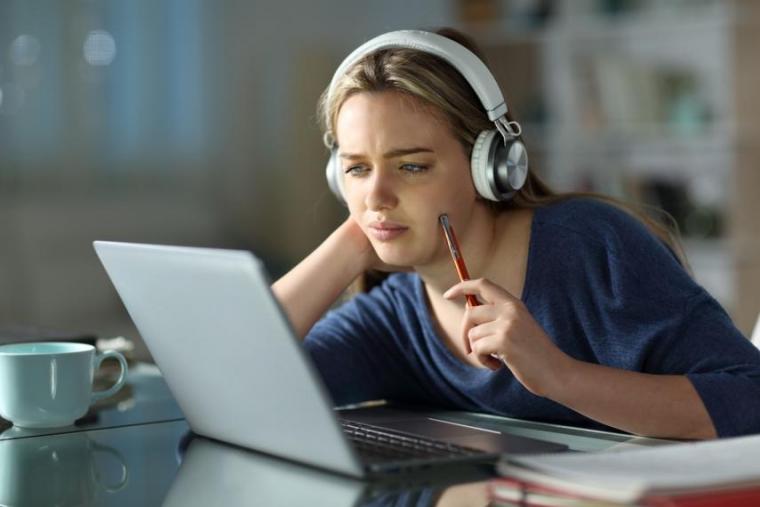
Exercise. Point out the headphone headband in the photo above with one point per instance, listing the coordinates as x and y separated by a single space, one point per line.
465 61
498 168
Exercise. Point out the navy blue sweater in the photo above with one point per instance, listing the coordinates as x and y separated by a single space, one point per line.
603 288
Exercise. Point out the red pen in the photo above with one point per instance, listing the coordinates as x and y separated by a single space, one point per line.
456 256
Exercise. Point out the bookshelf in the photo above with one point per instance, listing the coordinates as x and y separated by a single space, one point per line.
647 101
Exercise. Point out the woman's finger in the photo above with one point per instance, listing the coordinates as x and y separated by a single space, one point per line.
487 352
480 314
483 288
483 330
473 317
464 327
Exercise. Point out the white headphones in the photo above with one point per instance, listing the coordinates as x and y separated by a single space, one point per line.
498 169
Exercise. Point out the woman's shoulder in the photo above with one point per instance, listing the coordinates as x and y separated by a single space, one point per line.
585 240
593 221
579 213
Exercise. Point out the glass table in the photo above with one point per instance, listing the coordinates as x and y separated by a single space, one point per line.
138 450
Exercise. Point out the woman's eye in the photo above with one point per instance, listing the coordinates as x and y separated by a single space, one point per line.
356 170
362 170
414 168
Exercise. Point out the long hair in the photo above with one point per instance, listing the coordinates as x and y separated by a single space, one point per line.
433 81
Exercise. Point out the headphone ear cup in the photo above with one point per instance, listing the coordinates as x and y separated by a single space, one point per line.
498 169
517 164
479 164
334 180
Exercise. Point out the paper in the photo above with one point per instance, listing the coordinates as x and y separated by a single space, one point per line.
668 469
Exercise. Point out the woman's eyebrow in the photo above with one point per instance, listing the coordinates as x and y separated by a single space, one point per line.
391 154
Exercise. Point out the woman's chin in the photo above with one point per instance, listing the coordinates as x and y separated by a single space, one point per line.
405 262
400 254
394 263
397 259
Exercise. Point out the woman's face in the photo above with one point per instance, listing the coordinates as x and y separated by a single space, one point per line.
402 168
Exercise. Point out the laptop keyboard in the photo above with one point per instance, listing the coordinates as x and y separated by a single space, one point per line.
375 444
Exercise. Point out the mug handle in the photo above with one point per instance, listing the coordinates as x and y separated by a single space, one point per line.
99 358
116 455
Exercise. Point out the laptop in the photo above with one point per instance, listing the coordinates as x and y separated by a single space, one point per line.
240 374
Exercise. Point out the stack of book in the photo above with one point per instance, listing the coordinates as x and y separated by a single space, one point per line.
722 473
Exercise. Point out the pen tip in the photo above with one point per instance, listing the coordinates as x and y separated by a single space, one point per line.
444 219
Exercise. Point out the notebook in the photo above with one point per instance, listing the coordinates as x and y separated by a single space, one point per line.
240 375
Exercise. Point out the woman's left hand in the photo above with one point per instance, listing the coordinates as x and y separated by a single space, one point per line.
503 327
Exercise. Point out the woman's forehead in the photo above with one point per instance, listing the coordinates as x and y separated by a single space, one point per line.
391 114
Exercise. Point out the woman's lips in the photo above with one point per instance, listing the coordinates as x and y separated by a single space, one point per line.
386 231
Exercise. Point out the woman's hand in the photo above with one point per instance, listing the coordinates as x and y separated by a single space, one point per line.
358 244
344 255
503 328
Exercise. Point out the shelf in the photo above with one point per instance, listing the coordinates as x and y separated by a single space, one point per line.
675 156
678 22
656 103
633 135
569 26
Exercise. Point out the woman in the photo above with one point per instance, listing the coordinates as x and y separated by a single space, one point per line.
587 317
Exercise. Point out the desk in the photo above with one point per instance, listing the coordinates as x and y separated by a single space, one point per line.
139 451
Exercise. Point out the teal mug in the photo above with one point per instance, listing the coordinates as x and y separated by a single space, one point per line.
49 384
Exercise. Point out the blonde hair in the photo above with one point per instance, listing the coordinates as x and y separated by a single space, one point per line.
435 83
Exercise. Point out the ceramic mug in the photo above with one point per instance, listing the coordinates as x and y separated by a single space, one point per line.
49 384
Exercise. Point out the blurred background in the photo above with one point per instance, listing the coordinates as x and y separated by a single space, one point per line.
193 122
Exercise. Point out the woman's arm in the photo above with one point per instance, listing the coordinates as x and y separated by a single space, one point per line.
664 406
307 291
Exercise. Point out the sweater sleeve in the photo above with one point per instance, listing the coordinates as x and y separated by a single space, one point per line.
684 330
689 333
634 307
355 349
721 363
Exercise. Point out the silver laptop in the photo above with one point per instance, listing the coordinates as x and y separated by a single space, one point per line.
240 375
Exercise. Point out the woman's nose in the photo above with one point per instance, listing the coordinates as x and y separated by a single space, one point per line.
381 193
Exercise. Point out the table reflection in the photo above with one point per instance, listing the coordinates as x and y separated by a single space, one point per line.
68 470
213 473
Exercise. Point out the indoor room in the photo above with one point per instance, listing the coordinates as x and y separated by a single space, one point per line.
195 123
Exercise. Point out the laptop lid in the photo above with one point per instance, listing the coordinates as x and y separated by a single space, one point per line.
227 351
213 473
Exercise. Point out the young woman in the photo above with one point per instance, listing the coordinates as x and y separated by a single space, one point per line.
587 315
